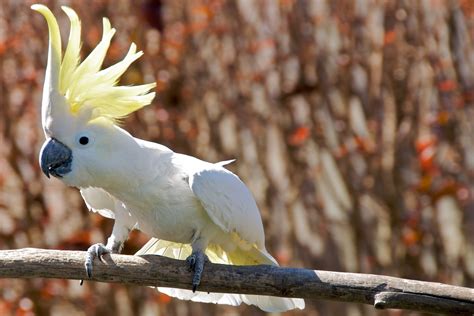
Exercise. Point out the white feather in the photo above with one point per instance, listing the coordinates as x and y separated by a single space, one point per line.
224 162
98 200
229 203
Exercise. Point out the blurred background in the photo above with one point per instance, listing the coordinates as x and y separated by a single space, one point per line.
352 123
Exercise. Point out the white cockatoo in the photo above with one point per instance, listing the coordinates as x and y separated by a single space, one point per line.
193 209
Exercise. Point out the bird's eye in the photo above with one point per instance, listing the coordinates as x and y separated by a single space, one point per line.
84 140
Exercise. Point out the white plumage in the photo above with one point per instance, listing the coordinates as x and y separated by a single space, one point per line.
212 205
224 198
190 207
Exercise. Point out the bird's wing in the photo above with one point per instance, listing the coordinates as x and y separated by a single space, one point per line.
224 162
98 200
229 204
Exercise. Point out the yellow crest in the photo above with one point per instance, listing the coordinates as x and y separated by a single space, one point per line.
83 84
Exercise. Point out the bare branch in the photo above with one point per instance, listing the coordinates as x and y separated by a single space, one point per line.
380 291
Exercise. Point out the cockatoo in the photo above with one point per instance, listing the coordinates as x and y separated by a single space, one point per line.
192 209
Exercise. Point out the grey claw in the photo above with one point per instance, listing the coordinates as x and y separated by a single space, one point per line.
88 270
191 260
94 251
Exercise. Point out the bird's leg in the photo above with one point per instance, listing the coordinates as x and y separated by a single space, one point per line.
95 251
99 250
196 261
114 245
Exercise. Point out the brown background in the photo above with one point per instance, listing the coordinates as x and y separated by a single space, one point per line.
352 123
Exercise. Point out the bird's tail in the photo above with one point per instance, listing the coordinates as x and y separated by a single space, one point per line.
217 255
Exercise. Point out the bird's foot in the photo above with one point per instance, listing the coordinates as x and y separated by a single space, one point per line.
94 251
196 263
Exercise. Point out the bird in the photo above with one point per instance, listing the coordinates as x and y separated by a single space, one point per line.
192 209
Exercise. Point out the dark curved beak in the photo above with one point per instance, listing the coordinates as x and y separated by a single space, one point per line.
55 158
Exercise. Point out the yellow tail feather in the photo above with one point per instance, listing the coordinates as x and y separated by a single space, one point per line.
217 255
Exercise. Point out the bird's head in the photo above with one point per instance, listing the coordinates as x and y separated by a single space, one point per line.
82 103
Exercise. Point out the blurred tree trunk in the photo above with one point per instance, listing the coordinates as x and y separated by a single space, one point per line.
351 121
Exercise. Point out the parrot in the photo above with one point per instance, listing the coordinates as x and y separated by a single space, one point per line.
191 209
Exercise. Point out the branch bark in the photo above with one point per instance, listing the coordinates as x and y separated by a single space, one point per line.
380 291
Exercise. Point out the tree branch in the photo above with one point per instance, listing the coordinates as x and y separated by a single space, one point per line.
380 291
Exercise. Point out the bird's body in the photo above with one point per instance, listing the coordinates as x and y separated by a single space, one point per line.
186 204
159 195
192 209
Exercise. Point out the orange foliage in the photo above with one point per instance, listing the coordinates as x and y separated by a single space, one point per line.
299 136
164 299
411 237
447 85
389 37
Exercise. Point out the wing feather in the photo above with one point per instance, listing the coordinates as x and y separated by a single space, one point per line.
97 200
229 204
